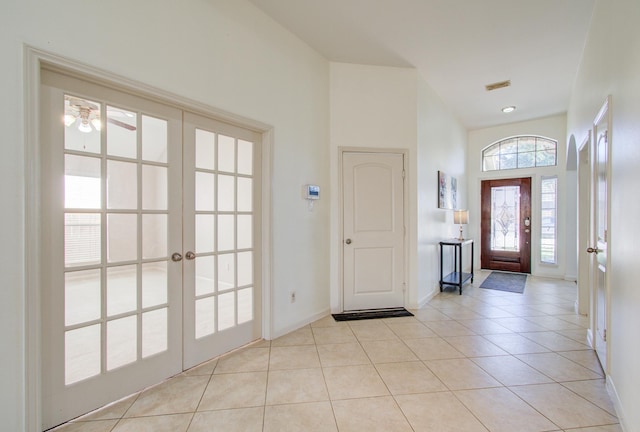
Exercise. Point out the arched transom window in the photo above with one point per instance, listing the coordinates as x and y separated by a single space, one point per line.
524 151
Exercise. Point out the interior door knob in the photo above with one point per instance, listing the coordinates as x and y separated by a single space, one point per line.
175 257
348 241
190 255
593 250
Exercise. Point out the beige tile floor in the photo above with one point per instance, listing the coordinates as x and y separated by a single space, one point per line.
483 361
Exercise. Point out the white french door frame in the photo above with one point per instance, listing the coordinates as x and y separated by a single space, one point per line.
407 164
34 61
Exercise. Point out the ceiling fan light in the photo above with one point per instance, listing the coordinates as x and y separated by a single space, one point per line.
96 124
69 119
84 127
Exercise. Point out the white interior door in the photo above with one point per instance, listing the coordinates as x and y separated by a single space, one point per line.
151 243
222 294
111 313
373 228
600 231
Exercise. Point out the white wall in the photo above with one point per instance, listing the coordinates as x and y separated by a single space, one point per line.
222 53
442 146
371 107
551 127
611 66
382 107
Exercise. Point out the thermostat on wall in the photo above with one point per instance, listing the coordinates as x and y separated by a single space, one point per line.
312 192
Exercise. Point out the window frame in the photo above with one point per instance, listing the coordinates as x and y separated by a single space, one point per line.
541 145
555 219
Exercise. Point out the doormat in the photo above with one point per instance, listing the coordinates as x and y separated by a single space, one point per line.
510 282
371 314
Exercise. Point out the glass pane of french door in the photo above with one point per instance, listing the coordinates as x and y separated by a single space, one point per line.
113 301
221 212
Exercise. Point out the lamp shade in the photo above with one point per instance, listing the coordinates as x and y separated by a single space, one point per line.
461 217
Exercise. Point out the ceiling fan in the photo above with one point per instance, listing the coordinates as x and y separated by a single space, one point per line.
87 115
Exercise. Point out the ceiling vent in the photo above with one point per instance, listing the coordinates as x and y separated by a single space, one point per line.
498 85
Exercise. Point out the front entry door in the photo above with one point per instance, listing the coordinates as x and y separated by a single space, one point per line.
373 236
599 231
506 225
150 228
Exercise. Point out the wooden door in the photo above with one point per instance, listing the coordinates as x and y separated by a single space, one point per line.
373 224
506 225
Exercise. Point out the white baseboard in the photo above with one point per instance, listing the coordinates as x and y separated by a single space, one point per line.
424 300
288 329
571 278
613 394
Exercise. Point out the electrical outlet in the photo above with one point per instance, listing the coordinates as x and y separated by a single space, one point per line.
293 297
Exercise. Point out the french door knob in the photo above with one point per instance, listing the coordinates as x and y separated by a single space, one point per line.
593 250
176 257
348 241
190 255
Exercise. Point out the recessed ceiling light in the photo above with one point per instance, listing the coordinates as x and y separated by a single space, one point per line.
508 109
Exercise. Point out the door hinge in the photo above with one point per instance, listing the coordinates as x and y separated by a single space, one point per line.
403 174
404 287
604 335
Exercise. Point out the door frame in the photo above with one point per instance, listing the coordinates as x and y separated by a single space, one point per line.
398 151
584 228
34 61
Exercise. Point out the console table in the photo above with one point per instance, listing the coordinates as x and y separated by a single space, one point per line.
457 277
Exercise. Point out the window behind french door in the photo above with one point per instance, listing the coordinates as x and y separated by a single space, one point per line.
150 233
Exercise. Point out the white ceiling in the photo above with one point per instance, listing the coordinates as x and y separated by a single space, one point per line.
458 46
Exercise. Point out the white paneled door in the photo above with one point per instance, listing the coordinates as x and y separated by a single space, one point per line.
150 243
373 230
600 232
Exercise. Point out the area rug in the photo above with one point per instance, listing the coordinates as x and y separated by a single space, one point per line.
511 282
371 314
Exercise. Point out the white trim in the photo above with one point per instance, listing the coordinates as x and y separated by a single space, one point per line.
617 404
426 299
33 339
590 338
302 323
34 60
266 230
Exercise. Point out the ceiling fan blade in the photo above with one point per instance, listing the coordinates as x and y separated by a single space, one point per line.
121 124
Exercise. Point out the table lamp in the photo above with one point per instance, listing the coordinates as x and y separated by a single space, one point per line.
461 217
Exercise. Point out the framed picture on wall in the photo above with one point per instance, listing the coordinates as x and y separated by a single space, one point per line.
447 191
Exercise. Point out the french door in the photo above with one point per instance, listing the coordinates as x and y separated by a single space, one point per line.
506 225
150 234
